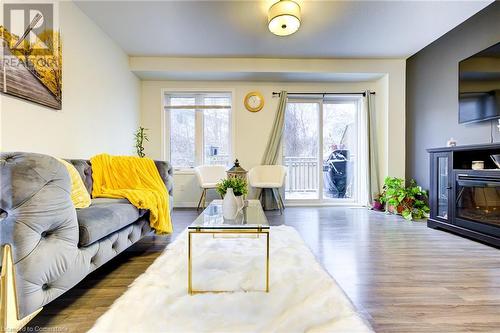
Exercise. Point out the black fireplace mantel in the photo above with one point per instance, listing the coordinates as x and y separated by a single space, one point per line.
455 188
487 146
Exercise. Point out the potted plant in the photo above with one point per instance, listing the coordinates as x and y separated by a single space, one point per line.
238 185
409 201
232 190
393 190
377 203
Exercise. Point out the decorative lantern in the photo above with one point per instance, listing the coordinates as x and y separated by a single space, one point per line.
237 171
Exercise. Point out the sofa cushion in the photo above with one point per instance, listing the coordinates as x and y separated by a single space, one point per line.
103 217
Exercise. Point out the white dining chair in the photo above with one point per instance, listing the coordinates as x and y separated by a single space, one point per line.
271 177
208 177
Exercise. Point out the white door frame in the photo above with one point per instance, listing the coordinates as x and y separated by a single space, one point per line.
320 200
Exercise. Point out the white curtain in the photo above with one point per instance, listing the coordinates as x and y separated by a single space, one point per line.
371 176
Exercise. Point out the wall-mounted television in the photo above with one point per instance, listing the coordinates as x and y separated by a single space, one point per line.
479 86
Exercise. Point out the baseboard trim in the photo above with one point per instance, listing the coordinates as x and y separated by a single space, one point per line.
323 204
187 204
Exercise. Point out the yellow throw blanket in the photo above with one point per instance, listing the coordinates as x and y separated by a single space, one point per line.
136 179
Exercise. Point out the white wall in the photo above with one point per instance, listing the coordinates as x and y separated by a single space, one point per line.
251 130
101 99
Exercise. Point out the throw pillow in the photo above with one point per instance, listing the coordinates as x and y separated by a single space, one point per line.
79 194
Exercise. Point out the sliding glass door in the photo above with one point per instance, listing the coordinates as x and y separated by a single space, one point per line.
321 149
301 150
340 149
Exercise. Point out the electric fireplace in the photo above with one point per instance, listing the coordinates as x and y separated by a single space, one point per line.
463 199
477 201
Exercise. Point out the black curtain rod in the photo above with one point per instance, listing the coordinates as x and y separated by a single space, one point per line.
325 93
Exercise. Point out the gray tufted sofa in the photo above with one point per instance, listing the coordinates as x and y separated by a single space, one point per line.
55 245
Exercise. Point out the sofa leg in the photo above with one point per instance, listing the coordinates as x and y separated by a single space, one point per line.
9 321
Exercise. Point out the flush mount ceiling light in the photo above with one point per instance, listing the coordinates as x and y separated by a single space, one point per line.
284 18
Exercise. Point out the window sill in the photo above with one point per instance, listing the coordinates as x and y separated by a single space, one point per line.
184 172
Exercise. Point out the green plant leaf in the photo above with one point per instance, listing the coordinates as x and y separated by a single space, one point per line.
407 214
140 136
238 185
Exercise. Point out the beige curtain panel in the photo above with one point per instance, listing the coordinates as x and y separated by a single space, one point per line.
274 143
273 148
373 167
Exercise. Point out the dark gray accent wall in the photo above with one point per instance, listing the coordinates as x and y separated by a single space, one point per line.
432 92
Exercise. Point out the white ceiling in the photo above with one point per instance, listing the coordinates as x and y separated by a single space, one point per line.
330 29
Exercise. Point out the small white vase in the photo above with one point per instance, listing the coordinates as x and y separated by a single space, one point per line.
230 205
240 201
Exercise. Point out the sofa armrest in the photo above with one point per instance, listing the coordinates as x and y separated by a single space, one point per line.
39 220
167 174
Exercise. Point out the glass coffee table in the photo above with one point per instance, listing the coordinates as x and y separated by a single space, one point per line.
250 221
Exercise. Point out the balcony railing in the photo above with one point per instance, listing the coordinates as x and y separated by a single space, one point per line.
217 160
302 174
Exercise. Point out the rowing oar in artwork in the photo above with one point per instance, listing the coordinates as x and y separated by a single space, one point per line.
30 27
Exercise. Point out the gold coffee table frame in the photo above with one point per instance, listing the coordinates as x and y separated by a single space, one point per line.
251 221
227 231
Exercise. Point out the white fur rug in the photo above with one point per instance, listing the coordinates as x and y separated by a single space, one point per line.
302 297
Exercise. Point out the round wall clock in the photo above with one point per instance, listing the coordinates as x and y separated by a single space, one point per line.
254 101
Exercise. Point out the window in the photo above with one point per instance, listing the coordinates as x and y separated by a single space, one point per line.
199 128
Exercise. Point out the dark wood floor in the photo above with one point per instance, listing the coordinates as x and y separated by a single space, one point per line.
403 276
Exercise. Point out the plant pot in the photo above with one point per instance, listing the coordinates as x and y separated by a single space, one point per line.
231 205
377 205
400 208
394 210
240 202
